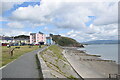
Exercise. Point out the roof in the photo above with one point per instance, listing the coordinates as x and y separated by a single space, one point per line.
5 38
40 32
32 33
35 33
21 38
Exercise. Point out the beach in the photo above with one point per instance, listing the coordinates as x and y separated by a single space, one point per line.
90 66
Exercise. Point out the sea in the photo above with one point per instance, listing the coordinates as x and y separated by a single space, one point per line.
107 51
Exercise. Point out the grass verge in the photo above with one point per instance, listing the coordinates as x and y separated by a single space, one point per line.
6 58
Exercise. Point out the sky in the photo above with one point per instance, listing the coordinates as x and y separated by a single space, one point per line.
83 20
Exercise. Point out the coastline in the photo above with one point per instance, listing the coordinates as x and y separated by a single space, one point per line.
90 66
107 51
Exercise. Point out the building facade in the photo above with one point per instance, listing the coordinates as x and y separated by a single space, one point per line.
22 39
37 38
49 40
4 39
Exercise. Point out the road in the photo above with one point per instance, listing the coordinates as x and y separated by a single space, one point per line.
23 67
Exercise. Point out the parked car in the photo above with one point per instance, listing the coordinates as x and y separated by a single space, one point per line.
16 44
30 44
22 44
37 44
4 44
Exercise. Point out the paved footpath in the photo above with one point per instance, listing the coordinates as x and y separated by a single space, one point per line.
24 67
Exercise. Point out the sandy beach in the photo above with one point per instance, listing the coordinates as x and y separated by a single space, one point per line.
90 66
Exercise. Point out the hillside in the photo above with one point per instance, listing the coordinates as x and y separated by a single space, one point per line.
21 37
66 41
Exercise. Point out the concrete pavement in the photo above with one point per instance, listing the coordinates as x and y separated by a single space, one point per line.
24 67
81 69
89 69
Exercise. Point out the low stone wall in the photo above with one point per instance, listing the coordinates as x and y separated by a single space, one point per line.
45 70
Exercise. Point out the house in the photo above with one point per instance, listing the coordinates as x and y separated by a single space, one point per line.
37 38
5 39
21 39
49 40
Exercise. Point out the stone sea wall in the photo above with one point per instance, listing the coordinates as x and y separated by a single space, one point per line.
57 65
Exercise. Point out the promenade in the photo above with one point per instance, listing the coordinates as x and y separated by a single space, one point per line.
23 67
89 66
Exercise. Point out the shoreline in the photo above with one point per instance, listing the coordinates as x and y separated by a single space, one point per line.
107 52
92 64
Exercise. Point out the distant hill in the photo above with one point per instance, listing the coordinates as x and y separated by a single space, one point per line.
21 37
65 41
102 42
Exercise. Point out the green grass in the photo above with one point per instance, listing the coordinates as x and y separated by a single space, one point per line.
6 58
54 66
72 77
57 51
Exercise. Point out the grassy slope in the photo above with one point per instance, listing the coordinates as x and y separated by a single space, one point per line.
56 53
17 52
56 50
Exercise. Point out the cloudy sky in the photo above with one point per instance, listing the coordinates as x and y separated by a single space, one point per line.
81 19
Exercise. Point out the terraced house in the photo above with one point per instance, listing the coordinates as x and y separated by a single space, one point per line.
49 40
5 39
22 39
37 38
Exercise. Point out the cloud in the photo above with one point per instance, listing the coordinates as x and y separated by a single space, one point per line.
52 30
106 32
15 25
20 0
13 32
107 13
3 19
9 4
68 14
74 16
30 13
109 32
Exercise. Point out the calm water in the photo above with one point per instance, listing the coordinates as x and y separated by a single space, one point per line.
107 51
